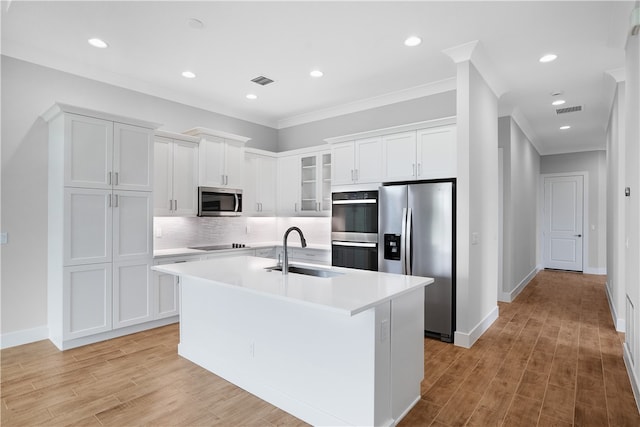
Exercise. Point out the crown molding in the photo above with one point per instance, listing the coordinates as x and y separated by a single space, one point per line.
474 52
518 116
618 74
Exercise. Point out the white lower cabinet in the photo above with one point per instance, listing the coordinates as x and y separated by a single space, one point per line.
132 293
87 300
165 302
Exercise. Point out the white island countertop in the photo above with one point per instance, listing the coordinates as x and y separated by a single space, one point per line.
350 293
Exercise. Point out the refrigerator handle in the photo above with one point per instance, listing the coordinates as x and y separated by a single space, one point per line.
407 250
403 246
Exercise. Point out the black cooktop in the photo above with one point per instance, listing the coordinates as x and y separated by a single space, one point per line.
219 247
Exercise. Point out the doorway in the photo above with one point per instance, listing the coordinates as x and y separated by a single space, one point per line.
563 233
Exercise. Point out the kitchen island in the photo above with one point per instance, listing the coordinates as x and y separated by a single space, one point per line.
340 350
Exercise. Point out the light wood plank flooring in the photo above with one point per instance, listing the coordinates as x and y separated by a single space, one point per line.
552 358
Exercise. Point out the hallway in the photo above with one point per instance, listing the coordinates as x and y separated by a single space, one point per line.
552 358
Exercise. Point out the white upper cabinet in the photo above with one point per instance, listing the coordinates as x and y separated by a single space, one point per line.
88 152
132 158
288 193
221 158
437 153
357 161
399 156
103 154
175 175
259 195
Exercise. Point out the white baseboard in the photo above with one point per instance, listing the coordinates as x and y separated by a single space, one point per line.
617 321
510 296
601 271
635 383
25 336
466 340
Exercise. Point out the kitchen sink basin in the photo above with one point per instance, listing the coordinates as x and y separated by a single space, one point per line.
308 271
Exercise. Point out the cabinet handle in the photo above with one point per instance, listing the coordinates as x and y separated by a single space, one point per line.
170 204
226 180
175 204
295 207
117 180
419 169
109 178
222 179
109 202
115 205
357 174
352 176
413 169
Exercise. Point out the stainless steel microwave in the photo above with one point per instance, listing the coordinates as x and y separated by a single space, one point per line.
219 201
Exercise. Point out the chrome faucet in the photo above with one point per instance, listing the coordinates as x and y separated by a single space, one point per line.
285 263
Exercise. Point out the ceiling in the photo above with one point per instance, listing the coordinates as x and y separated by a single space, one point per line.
358 45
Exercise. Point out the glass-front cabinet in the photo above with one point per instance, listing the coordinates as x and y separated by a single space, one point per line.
315 183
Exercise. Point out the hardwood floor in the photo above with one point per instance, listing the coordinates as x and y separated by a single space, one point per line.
553 358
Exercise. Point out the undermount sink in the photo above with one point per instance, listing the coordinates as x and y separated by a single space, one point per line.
308 271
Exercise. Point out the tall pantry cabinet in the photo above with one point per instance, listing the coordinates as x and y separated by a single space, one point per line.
100 213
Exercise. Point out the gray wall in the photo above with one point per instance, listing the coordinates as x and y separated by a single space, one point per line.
28 90
593 162
416 110
520 228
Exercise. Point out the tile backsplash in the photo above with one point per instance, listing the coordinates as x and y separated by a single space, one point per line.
180 232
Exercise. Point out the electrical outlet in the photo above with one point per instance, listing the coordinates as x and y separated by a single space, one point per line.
158 231
475 238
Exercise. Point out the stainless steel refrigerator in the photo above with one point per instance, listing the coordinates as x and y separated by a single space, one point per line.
417 237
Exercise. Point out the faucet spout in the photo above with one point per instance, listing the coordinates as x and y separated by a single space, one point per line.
285 261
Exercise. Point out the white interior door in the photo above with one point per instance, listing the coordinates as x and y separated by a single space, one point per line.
563 218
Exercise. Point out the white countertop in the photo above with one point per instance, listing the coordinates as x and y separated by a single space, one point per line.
349 293
161 253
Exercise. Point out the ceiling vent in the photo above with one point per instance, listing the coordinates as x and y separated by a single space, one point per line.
566 110
262 80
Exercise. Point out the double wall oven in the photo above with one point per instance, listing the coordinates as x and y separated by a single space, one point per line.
354 230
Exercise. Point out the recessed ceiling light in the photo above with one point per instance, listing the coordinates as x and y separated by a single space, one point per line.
196 24
188 75
252 96
558 102
316 73
412 41
565 127
548 57
99 43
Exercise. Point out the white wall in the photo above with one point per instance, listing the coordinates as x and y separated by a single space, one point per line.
521 173
632 208
415 110
594 163
477 205
28 90
615 208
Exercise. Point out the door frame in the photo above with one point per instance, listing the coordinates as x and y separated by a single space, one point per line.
586 227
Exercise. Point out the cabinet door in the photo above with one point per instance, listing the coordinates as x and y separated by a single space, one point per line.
250 204
369 159
162 177
185 178
211 170
132 157
132 293
288 194
88 152
266 185
399 156
234 164
87 306
167 295
309 183
342 163
132 225
324 182
437 153
87 226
